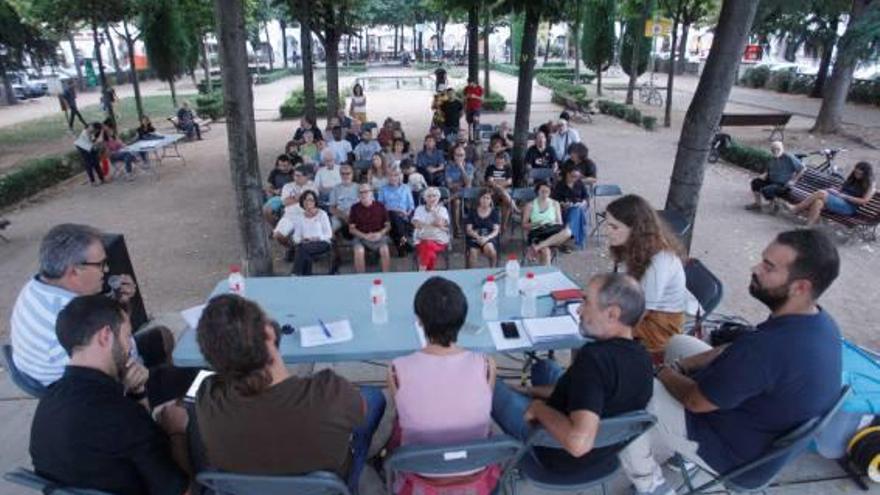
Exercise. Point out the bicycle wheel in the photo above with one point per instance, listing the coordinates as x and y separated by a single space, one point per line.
656 98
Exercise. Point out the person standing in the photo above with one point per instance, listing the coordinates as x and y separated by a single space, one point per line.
358 107
473 105
68 99
86 144
452 108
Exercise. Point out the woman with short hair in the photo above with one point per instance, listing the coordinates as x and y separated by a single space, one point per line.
431 222
311 233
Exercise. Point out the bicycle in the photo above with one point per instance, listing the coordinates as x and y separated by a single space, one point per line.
827 166
650 95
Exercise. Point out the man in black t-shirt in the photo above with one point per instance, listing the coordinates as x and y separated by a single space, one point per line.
609 376
452 109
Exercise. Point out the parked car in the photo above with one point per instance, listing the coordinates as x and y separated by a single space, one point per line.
30 88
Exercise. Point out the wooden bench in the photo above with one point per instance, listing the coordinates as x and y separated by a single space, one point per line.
204 125
776 120
864 222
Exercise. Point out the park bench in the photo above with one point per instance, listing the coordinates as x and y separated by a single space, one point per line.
576 108
864 222
776 120
204 125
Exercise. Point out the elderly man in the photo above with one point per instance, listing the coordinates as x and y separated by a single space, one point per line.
611 375
339 145
92 430
564 137
327 177
782 171
369 225
342 197
398 200
724 407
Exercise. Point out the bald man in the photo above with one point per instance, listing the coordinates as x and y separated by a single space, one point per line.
782 171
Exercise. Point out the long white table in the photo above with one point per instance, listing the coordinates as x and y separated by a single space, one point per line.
159 148
300 301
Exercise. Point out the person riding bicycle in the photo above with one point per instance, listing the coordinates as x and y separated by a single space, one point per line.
782 171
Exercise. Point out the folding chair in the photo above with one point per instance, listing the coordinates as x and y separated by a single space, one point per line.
602 191
784 450
677 223
317 483
616 432
520 196
29 479
27 384
439 460
704 285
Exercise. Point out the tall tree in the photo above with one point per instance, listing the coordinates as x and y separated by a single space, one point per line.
119 75
331 20
705 110
597 43
238 102
575 23
861 40
636 47
473 30
198 17
683 13
166 41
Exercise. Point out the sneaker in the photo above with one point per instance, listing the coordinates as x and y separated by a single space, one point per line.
753 207
663 489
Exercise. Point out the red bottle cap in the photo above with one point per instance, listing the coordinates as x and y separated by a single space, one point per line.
377 282
530 275
512 257
234 269
490 278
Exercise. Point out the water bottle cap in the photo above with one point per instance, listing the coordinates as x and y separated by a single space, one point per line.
234 269
490 278
530 275
512 257
377 281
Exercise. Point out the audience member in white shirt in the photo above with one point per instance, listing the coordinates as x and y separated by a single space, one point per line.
311 234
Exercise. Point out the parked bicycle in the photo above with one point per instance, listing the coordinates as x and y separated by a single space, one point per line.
825 163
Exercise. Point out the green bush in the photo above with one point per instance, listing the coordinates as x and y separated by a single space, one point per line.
294 106
37 174
562 86
756 77
627 113
649 122
216 85
554 64
780 80
272 76
210 106
802 84
495 102
753 159
865 92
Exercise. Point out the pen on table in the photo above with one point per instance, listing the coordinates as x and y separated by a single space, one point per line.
325 329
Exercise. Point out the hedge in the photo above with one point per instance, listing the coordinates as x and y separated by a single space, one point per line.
295 104
272 76
210 106
564 73
753 159
495 102
628 113
37 174
560 85
789 81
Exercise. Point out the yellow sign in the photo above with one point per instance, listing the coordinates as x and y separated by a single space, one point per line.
662 27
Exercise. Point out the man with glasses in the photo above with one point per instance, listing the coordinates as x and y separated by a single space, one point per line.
369 225
459 175
72 263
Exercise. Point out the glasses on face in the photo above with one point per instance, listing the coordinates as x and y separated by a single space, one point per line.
103 264
365 191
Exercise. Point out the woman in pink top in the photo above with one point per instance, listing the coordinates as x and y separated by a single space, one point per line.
443 393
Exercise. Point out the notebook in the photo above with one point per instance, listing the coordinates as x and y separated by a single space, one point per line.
552 281
312 336
549 329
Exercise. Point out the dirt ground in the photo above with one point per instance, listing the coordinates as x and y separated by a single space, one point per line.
182 234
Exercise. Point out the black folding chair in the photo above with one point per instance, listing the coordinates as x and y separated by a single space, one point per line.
27 384
27 478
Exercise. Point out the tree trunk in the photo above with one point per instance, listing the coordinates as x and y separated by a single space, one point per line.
331 48
705 109
486 59
269 47
577 58
113 57
825 63
206 65
347 49
634 63
547 45
173 92
7 85
682 46
241 134
283 25
473 42
103 76
367 42
305 41
524 91
421 52
414 41
80 82
396 28
667 115
830 116
135 84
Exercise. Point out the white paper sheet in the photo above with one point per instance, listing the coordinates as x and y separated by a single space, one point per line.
503 344
573 309
191 315
340 331
552 328
549 282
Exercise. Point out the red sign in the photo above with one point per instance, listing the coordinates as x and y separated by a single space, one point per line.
753 53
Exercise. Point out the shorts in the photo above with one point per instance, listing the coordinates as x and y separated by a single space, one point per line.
370 245
542 232
472 243
472 116
770 190
840 206
275 204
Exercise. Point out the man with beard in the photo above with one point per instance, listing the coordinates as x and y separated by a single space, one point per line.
609 376
91 430
723 407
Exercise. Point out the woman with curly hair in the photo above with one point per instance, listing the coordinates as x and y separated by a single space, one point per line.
642 246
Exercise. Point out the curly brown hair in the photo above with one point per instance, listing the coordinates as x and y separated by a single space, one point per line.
231 335
649 234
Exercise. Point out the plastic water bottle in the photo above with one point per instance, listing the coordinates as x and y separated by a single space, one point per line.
490 299
236 280
528 307
511 270
379 302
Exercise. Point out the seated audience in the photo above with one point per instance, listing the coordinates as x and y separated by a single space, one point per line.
440 140
504 134
782 171
431 162
327 177
499 177
244 412
291 149
353 133
642 246
369 226
579 158
279 176
146 131
482 230
442 393
93 428
459 175
116 149
386 133
307 124
540 155
342 197
542 220
609 376
564 137
290 194
377 175
431 222
340 147
857 190
414 180
186 121
308 149
573 197
365 150
398 200
312 233
724 407
399 153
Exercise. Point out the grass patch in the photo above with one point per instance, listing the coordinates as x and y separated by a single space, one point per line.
54 127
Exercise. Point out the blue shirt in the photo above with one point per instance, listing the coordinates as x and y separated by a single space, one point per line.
765 384
781 170
427 159
397 198
454 175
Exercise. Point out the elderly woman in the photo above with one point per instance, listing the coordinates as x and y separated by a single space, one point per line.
431 222
311 233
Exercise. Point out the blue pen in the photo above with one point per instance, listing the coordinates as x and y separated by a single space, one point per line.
325 329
